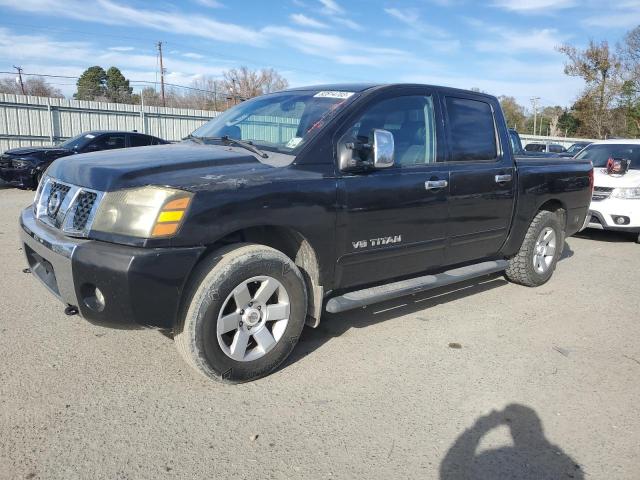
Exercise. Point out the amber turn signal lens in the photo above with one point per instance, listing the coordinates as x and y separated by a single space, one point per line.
170 217
164 229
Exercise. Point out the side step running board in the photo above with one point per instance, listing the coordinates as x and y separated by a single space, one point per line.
368 296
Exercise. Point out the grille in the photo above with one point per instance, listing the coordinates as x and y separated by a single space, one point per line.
84 206
61 190
71 210
601 193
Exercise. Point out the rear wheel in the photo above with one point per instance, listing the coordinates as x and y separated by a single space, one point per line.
247 308
540 251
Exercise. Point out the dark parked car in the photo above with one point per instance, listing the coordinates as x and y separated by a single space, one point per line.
574 149
314 199
23 167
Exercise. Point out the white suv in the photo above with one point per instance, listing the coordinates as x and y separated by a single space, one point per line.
615 204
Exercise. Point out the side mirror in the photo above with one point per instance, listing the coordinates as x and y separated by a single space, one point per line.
383 148
378 152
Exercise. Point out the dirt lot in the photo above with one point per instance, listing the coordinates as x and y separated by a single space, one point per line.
544 382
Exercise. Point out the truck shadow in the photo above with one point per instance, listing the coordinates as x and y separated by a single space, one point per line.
531 456
335 325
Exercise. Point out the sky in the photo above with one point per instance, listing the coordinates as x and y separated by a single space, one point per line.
503 47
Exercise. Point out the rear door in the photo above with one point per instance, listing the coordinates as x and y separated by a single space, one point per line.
482 178
392 221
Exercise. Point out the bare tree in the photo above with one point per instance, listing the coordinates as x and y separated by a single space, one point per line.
600 68
36 86
244 83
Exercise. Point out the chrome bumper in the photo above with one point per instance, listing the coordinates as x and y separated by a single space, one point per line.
49 255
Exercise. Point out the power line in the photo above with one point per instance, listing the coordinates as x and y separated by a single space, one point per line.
147 82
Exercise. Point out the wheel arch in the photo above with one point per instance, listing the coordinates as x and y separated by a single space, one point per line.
295 246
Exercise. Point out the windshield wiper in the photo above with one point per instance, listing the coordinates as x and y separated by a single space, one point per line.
248 145
226 138
194 138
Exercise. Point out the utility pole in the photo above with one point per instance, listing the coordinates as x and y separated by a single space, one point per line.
19 69
161 74
534 103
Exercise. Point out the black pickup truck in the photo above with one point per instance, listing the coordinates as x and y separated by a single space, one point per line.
314 199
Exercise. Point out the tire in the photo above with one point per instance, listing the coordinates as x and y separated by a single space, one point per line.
230 284
526 268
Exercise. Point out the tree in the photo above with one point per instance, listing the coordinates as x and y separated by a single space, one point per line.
36 86
117 86
91 84
600 68
243 83
513 113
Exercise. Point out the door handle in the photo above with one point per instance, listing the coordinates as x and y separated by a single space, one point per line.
435 184
503 178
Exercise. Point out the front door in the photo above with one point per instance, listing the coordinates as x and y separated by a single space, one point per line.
392 222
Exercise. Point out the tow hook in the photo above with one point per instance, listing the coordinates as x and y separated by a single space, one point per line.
71 310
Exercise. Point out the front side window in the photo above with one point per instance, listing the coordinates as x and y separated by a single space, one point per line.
472 131
280 122
410 119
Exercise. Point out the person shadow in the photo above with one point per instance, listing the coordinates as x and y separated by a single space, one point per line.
532 456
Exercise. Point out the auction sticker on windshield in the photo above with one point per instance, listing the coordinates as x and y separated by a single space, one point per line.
333 94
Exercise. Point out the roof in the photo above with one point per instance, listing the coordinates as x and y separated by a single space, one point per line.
618 141
361 87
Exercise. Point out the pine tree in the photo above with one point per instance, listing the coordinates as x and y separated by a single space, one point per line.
91 84
118 89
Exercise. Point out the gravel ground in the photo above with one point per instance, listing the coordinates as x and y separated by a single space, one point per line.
491 378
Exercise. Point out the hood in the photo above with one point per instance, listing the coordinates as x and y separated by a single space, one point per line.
628 180
37 151
185 165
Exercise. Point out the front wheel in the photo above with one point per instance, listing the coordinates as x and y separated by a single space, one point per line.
246 309
540 251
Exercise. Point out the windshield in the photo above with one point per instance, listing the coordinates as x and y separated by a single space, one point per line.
278 122
576 147
76 143
599 154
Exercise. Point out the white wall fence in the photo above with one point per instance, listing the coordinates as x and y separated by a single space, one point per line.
34 121
564 141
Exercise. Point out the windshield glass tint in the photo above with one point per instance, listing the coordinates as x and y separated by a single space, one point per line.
599 154
280 122
77 142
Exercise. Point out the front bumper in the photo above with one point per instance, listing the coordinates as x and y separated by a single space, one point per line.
141 287
18 177
603 212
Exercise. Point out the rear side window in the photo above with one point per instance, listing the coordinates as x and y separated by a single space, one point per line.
472 132
140 140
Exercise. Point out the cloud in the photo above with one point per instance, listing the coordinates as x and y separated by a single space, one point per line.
331 7
196 56
336 48
121 49
411 18
506 40
534 6
304 21
624 14
210 3
112 13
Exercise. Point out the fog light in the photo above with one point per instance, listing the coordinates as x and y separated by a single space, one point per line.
621 220
93 297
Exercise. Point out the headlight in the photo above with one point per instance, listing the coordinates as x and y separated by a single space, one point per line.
146 212
629 193
20 164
